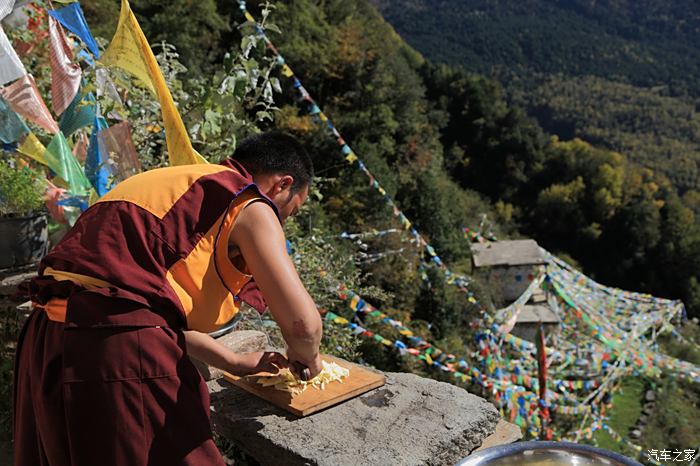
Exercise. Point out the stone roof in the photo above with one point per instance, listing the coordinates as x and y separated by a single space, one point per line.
516 252
534 313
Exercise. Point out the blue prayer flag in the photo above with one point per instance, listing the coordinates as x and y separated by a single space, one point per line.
97 167
72 18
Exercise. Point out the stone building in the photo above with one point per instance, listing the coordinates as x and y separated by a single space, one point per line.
512 266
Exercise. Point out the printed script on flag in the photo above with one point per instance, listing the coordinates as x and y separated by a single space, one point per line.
129 50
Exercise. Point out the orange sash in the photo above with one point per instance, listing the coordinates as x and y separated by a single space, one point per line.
55 309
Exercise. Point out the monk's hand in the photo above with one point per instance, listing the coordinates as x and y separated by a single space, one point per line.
260 361
304 369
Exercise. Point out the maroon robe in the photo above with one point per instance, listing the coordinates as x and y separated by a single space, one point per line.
113 383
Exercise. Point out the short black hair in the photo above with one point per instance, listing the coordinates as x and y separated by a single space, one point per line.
276 152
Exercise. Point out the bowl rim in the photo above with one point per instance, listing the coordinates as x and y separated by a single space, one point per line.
482 457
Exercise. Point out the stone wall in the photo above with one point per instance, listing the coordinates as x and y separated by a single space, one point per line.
409 421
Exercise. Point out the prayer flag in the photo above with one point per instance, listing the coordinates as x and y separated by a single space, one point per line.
72 18
541 363
11 67
53 196
65 75
6 7
105 85
61 160
97 168
116 144
287 71
130 51
23 96
33 148
80 147
12 128
79 114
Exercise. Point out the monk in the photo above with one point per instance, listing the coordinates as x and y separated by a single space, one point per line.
103 375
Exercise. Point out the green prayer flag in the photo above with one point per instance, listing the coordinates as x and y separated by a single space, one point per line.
12 128
61 160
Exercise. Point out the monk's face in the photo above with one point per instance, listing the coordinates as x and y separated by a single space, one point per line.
289 202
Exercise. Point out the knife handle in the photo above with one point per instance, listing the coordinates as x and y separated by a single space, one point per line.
302 371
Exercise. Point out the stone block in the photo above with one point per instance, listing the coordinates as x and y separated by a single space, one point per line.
409 421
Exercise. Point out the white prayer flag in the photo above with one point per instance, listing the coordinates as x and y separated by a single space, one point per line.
11 67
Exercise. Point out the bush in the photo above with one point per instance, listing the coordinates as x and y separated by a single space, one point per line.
21 190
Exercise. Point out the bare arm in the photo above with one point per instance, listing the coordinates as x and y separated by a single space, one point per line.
203 347
260 238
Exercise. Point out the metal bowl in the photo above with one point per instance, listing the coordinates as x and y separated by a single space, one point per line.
546 454
228 327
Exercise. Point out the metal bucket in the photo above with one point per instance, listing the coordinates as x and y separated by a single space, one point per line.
546 454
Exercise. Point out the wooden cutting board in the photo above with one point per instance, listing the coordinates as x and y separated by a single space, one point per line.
311 400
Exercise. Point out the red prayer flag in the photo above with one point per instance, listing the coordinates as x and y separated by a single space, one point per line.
24 98
541 363
65 75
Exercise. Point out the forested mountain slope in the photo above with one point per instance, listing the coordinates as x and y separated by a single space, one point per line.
642 42
620 74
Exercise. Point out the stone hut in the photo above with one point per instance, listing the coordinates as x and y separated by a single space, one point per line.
529 320
512 264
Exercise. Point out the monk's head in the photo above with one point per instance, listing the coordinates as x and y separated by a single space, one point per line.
281 168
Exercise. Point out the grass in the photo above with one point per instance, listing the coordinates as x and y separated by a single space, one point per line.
673 424
627 407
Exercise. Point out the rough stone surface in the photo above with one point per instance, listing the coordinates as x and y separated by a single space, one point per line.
242 341
505 433
409 421
10 279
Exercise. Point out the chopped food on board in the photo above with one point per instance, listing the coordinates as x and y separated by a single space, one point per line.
287 382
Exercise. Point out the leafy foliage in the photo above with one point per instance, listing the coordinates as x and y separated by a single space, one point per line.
641 42
21 190
649 125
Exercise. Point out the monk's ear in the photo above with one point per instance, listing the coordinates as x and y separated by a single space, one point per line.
284 183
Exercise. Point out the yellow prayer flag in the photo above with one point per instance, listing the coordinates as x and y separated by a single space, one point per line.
287 71
249 17
351 157
129 50
33 148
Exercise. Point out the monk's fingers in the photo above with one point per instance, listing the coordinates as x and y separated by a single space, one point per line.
276 359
